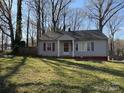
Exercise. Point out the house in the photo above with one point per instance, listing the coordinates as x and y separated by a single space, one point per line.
84 44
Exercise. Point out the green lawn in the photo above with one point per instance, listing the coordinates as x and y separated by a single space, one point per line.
56 75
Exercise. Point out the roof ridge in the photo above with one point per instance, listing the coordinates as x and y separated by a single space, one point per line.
79 35
83 30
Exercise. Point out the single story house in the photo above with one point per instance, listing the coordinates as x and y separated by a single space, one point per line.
84 44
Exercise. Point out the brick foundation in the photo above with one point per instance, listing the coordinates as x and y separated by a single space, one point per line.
99 58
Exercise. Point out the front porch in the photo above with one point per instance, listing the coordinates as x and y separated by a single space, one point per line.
66 48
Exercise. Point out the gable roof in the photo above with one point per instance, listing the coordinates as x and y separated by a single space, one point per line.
77 35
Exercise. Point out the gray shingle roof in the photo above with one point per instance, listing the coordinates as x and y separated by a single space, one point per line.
78 35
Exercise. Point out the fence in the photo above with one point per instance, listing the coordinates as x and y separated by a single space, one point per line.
31 51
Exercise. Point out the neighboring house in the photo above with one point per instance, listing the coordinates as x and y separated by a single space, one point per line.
85 44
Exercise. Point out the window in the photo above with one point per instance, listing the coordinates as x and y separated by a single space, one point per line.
49 47
44 46
53 47
76 47
92 46
84 46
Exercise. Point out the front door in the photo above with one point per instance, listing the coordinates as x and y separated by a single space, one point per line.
67 49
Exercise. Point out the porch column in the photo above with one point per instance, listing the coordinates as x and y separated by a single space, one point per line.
73 48
58 48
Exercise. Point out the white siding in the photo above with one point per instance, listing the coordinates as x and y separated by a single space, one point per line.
100 49
41 52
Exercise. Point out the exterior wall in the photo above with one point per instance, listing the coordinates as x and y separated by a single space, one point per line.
41 52
100 50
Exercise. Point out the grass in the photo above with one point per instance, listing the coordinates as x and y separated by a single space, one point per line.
7 52
56 75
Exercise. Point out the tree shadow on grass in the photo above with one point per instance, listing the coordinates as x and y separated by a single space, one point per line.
118 62
90 67
88 60
57 67
6 86
101 85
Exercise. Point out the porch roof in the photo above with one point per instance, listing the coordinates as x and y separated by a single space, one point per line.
77 35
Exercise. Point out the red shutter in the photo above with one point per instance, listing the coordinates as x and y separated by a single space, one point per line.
44 46
88 46
92 46
77 47
53 47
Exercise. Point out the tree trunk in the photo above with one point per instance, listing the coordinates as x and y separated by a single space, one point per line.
64 22
112 46
12 37
38 22
28 27
43 28
54 27
11 31
2 42
32 41
100 26
18 23
6 42
18 35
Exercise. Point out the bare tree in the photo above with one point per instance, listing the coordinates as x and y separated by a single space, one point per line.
4 41
64 19
6 19
28 21
57 7
75 19
39 7
33 33
43 15
118 48
114 26
103 10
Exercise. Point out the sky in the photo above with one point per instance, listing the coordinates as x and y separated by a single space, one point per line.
78 3
81 4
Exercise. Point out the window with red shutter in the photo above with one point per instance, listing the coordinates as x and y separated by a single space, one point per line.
53 47
77 47
92 46
44 46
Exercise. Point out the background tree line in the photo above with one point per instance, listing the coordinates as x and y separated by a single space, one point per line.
35 17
